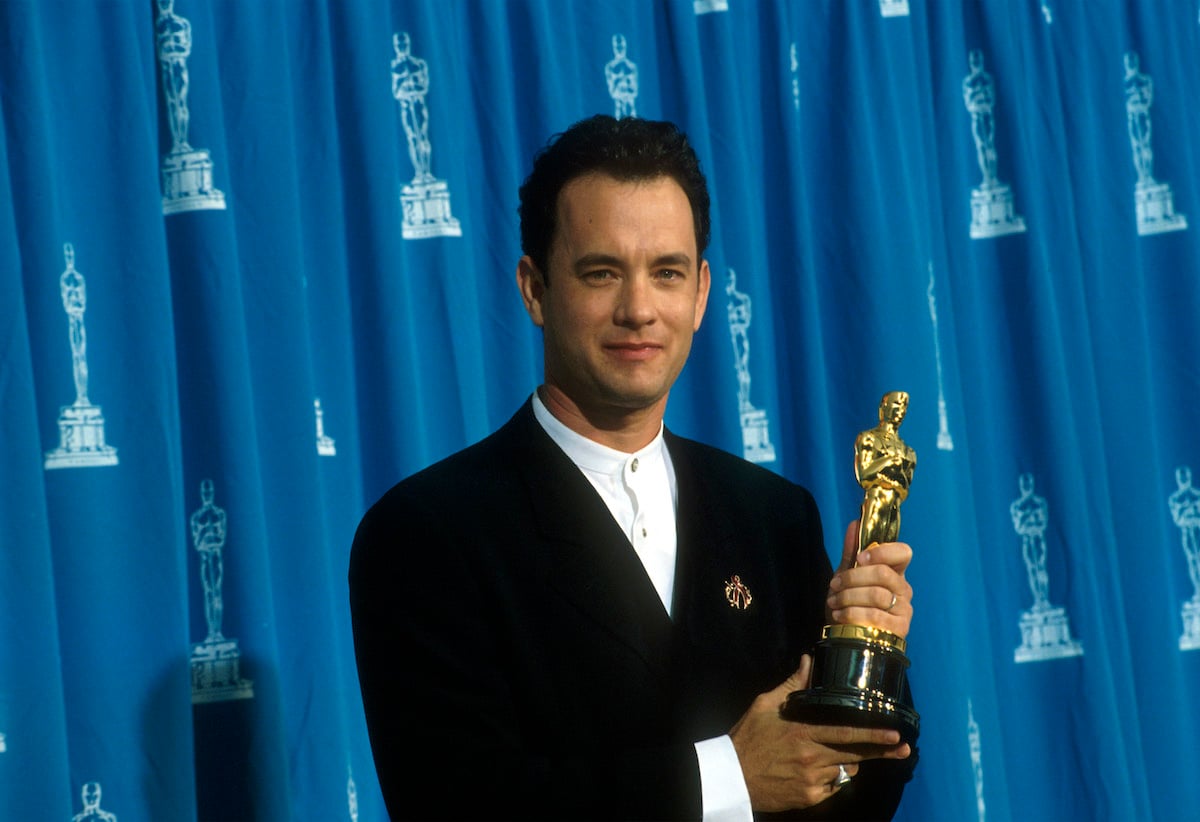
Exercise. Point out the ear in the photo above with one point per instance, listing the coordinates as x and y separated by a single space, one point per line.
704 283
532 286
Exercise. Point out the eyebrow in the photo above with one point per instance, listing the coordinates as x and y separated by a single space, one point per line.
674 259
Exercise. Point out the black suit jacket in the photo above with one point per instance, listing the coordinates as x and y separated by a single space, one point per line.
516 661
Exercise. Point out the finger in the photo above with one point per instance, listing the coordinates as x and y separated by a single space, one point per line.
857 754
849 546
858 742
896 555
888 598
850 769
898 624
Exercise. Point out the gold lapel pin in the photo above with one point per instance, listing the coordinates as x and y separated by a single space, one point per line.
737 594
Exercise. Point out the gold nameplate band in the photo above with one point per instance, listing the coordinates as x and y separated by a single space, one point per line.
864 633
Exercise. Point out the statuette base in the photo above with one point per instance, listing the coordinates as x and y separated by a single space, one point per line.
427 211
1190 641
1046 634
187 182
858 678
81 439
1156 209
993 213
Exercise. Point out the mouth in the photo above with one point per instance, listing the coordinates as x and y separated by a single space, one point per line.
633 351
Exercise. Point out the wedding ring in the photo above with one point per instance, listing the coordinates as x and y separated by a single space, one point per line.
893 605
842 777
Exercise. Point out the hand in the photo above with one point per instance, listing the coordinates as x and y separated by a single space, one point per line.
789 765
863 594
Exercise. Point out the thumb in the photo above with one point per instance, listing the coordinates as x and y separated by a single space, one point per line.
850 546
799 679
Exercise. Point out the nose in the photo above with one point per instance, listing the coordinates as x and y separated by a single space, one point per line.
635 307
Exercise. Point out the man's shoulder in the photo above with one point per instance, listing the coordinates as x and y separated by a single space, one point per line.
717 467
483 466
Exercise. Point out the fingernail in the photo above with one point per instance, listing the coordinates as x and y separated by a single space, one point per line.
835 584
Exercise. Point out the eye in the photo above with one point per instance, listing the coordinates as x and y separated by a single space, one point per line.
598 275
670 274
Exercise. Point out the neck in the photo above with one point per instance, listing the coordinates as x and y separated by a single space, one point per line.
624 429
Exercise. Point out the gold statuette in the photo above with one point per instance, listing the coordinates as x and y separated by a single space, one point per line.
859 674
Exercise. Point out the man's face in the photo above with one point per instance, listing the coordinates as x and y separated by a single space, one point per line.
627 292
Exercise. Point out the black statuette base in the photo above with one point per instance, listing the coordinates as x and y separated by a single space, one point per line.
857 681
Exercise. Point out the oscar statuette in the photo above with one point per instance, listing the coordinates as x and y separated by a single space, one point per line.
859 674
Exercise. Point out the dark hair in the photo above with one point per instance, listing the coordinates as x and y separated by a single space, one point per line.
628 149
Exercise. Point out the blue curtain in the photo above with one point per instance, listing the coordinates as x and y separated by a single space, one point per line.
256 265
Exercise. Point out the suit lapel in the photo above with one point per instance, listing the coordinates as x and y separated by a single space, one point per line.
716 635
589 560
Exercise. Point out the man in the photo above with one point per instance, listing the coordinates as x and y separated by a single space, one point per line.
542 621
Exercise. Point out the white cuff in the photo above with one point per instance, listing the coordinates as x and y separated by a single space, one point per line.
722 786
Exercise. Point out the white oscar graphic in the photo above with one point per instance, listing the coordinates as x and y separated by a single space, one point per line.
992 210
3 743
756 435
1185 510
1047 12
973 740
425 200
216 660
621 74
709 6
80 424
325 445
187 173
351 795
795 66
944 440
1045 629
893 8
92 812
1153 200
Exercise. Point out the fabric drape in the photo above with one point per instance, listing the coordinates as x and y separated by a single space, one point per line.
257 262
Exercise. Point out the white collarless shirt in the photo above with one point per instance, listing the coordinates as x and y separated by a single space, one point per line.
640 492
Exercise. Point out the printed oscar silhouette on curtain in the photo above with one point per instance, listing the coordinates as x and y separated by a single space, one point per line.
325 444
215 661
944 441
893 8
92 812
425 199
756 434
975 746
621 75
1153 200
1185 511
351 795
993 213
81 424
709 6
187 172
1045 628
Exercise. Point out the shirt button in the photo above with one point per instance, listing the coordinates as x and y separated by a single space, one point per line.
643 532
633 465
